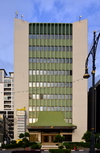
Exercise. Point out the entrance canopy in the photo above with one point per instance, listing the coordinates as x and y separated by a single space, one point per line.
51 120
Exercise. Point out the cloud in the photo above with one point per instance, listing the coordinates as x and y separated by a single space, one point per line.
8 66
46 5
7 14
66 11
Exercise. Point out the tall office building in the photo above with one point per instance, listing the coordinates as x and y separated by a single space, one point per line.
48 66
6 99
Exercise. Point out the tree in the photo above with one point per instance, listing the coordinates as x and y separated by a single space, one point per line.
27 134
97 137
21 135
24 135
25 141
59 138
87 136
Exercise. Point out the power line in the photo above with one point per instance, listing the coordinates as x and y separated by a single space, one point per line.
40 88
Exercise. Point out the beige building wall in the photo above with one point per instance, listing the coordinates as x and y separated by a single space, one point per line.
21 31
79 85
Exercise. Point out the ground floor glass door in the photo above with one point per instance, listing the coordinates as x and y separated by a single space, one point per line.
48 137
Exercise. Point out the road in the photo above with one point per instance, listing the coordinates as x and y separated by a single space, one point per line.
9 151
5 151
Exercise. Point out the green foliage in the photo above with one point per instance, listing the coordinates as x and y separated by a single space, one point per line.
72 146
13 142
24 145
97 136
20 143
36 146
8 146
87 136
85 144
60 146
32 143
67 145
59 138
97 145
59 150
21 135
27 134
25 142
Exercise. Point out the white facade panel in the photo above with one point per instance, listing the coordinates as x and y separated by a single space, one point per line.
21 31
79 84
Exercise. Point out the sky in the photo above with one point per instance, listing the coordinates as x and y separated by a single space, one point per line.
64 11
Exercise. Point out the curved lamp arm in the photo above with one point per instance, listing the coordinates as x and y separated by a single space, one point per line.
93 53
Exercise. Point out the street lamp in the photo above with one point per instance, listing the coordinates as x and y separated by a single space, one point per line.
86 76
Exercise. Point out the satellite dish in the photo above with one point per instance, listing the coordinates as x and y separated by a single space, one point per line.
22 17
80 17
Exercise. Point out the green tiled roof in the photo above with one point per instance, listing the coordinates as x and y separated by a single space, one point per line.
48 118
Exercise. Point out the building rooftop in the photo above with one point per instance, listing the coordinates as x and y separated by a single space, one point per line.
51 119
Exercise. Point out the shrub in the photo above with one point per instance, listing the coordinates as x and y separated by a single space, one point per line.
97 145
71 146
61 146
59 150
32 143
25 140
24 145
67 145
20 143
36 146
85 144
59 138
13 142
87 136
26 151
21 135
27 134
8 146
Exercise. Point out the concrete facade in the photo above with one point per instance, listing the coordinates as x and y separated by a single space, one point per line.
80 86
30 76
20 68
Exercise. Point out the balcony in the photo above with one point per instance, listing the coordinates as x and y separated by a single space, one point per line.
7 98
11 124
7 89
7 85
7 106
7 93
10 112
7 102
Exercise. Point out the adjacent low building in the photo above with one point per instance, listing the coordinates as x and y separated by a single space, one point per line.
7 99
4 129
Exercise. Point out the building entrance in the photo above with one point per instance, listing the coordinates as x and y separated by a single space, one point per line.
48 137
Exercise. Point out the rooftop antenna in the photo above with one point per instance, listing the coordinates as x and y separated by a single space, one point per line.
16 14
80 18
22 17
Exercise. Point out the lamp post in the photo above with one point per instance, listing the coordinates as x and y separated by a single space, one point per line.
86 76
